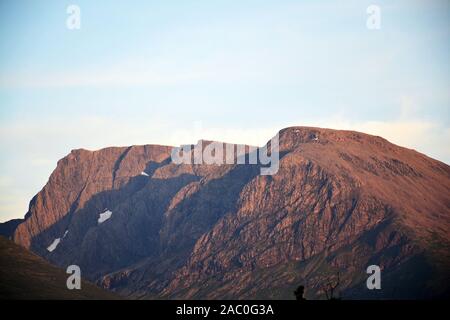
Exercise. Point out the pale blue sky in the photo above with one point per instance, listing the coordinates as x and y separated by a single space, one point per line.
170 72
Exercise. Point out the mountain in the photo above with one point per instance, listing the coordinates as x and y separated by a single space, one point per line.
144 227
8 228
25 276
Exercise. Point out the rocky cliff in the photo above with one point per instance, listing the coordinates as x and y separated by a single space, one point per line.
145 227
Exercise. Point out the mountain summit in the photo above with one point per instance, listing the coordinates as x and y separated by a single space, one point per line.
144 227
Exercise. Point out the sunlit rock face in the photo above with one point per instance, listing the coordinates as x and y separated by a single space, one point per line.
145 227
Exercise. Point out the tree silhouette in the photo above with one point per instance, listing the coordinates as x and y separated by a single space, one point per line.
330 285
299 293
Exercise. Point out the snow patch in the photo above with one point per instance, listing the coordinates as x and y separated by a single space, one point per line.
143 173
54 244
104 216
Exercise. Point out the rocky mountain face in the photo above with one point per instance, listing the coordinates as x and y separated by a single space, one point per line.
144 227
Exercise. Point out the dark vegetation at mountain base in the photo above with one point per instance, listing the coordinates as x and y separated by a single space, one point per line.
26 276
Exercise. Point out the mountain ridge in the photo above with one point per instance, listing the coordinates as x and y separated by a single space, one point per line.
201 231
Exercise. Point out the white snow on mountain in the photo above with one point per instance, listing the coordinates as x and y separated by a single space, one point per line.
54 244
104 216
